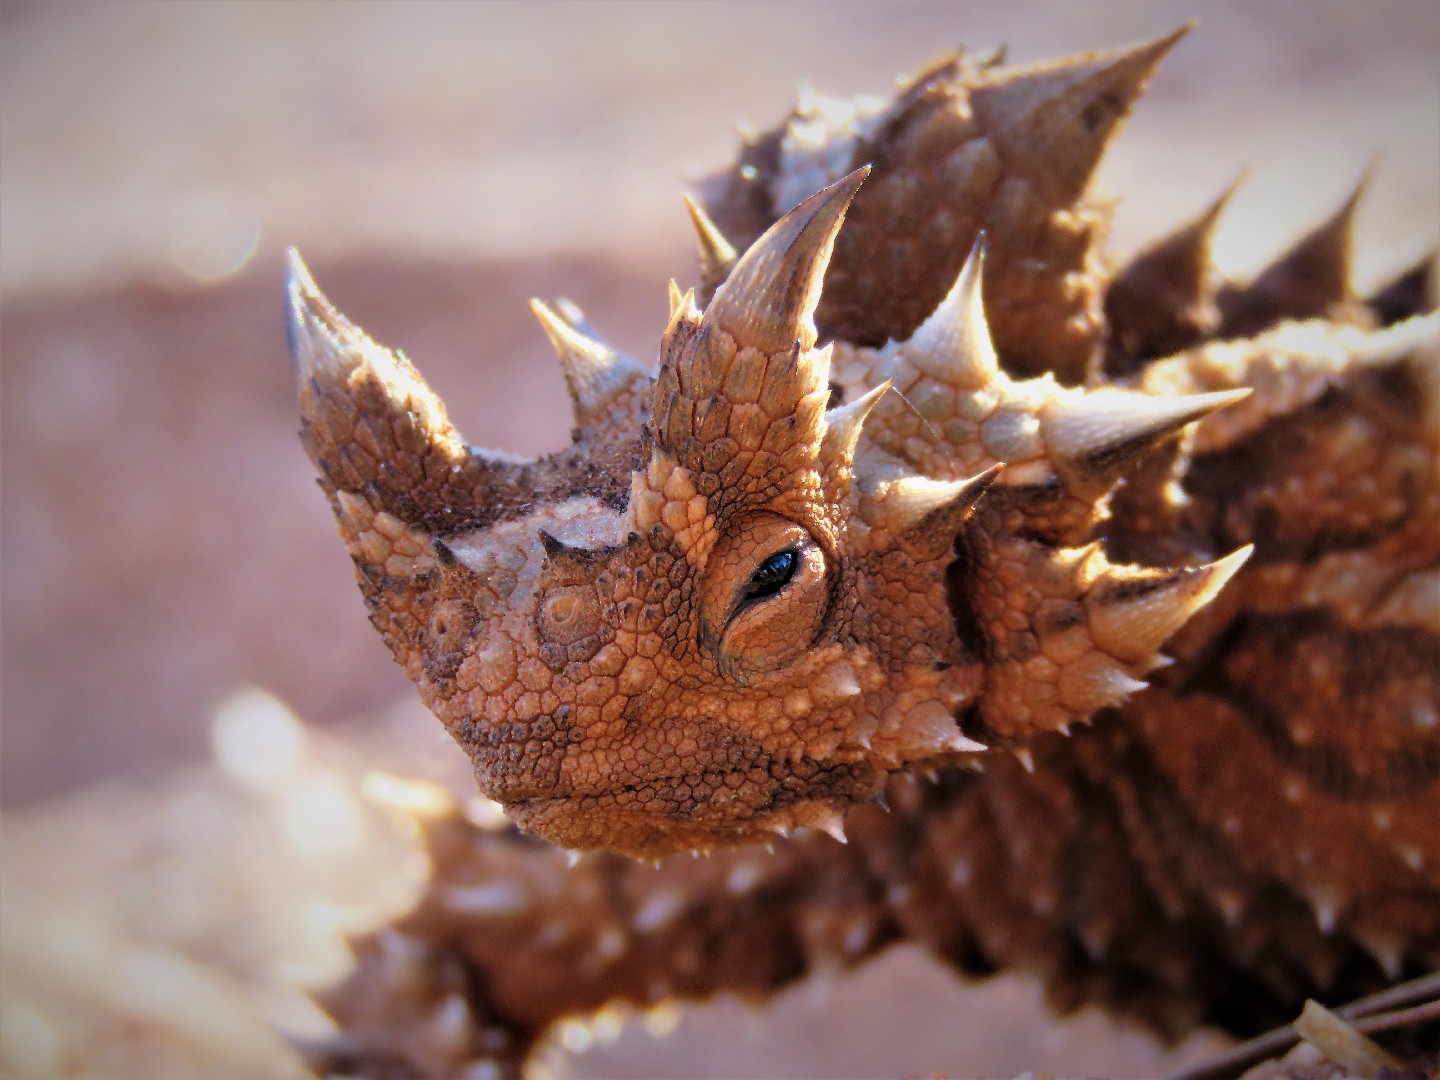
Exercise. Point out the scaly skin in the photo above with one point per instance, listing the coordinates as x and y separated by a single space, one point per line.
776 580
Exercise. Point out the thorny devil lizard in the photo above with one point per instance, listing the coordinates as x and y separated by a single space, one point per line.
913 584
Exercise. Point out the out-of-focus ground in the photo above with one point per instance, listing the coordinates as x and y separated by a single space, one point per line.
162 545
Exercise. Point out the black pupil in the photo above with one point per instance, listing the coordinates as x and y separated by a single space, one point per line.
770 577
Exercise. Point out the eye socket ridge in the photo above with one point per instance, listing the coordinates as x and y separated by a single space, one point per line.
772 575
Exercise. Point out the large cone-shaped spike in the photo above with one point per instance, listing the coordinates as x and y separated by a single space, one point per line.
374 428
1054 119
1308 281
594 373
717 255
1092 438
953 345
899 504
1131 614
844 423
768 301
1164 300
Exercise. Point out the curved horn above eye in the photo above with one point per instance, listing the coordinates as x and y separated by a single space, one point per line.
768 301
373 427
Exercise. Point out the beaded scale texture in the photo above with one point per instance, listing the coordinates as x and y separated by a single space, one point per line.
1097 606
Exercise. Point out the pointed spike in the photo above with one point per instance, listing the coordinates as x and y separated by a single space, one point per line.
677 298
1386 948
953 345
717 255
835 829
931 728
824 817
572 313
1411 292
554 548
1054 119
364 406
1323 257
1026 758
594 372
768 301
1164 299
1308 280
844 423
317 334
557 550
910 499
1093 437
1131 616
1087 687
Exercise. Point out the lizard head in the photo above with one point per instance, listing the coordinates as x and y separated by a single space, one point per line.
694 626
734 604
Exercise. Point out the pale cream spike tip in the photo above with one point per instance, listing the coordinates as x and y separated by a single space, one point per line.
911 499
768 301
953 344
594 372
844 423
717 255
1133 625
320 338
1082 426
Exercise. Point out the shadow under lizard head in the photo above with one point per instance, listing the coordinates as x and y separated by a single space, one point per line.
691 627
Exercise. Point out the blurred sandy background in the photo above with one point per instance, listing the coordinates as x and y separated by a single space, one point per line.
162 546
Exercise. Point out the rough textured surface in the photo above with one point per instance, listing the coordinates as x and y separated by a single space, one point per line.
760 584
154 411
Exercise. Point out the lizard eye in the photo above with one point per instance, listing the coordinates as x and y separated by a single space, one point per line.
772 575
763 596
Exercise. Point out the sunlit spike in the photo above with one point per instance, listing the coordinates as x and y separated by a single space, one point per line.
768 301
362 404
1092 437
953 345
1054 119
319 336
677 298
1084 688
717 255
594 372
1026 758
910 499
844 423
1131 615
827 819
930 728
